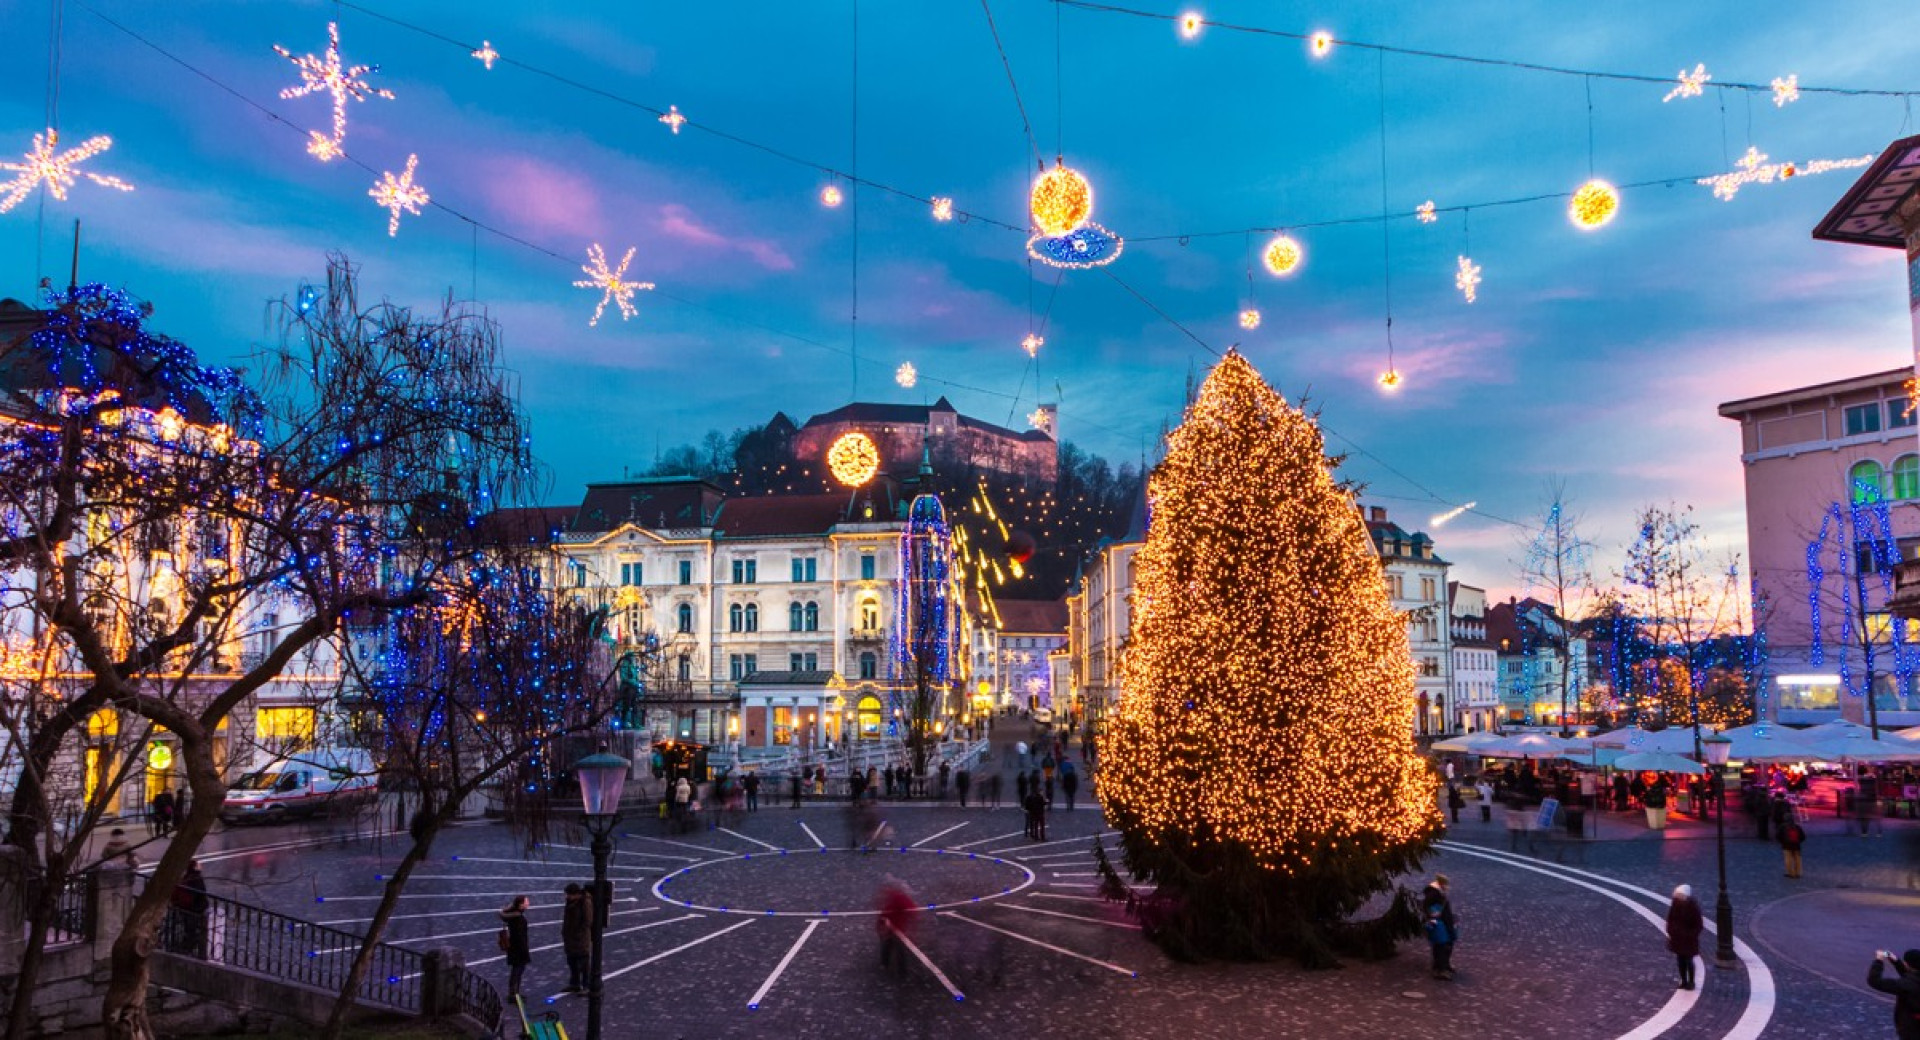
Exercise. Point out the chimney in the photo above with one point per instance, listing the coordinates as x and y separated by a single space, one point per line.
1377 514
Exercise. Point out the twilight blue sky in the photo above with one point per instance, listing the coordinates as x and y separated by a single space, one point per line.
1596 358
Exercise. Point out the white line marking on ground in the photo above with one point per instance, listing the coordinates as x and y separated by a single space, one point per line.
560 863
1761 994
983 841
877 832
668 953
1129 925
1082 899
487 931
1029 939
1076 873
1062 841
937 973
753 1002
460 913
609 935
756 841
1071 884
810 834
1049 857
421 895
582 877
682 844
936 834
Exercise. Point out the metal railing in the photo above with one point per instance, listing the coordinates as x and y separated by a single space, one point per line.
74 910
476 998
258 940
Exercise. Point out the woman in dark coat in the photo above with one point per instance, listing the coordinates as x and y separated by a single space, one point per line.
519 953
1684 925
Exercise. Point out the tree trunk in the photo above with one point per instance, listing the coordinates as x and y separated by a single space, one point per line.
123 1011
39 917
389 901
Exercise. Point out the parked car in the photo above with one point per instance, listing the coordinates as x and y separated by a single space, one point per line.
308 783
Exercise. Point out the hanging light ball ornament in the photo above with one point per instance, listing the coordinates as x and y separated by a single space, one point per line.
1594 205
830 196
1250 318
1320 44
1390 380
1283 255
853 459
1061 201
1190 24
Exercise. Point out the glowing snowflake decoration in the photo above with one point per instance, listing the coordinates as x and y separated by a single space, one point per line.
486 54
942 208
322 147
1467 279
674 119
906 375
1250 318
612 283
395 194
1786 91
1755 169
1690 84
335 78
1425 212
1032 344
57 170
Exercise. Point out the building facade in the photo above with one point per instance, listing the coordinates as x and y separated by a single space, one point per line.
1417 586
955 442
1030 631
1476 667
1832 476
1543 663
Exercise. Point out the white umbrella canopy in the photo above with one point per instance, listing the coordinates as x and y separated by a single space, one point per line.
1829 730
1658 762
1859 750
1469 743
1674 739
1911 733
1525 745
1758 741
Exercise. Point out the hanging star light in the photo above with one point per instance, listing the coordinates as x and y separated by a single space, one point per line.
1032 344
1425 212
1283 255
486 54
1593 205
1786 91
338 80
57 170
906 375
1190 25
1754 169
1320 44
942 208
1250 318
396 194
853 459
612 283
322 147
674 119
830 196
1467 279
1690 83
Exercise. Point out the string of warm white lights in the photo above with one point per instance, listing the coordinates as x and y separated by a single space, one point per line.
1190 24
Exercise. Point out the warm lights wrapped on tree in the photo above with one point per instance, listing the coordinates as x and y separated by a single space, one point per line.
1261 768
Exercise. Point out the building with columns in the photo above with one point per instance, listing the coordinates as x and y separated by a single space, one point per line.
1417 586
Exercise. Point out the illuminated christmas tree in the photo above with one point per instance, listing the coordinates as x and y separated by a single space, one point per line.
1261 768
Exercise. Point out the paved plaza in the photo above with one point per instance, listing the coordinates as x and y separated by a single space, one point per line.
763 927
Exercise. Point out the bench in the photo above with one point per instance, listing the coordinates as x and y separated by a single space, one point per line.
546 1027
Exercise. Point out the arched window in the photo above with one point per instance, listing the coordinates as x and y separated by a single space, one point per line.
1906 477
869 666
1866 482
686 617
813 617
735 618
869 615
868 713
753 617
793 617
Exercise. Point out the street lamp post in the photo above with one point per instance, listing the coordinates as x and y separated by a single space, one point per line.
1716 750
602 777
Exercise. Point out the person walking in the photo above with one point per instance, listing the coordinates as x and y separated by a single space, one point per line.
682 803
1455 801
1436 908
962 781
187 914
1905 987
946 772
118 851
1020 788
179 805
1684 925
873 785
1036 806
1049 782
794 781
752 786
160 815
1069 782
896 919
576 936
513 943
1485 793
993 790
1792 836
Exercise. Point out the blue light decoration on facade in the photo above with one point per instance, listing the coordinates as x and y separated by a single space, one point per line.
1860 539
925 620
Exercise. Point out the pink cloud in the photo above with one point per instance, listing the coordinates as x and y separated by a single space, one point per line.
679 222
535 196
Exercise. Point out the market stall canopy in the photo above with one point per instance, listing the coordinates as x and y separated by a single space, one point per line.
1468 743
1534 745
1861 750
1673 739
1762 739
1836 728
1658 762
1912 733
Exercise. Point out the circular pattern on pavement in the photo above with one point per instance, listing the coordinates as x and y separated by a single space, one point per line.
831 882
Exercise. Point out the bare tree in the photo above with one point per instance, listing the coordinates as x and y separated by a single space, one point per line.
155 506
1559 565
1683 599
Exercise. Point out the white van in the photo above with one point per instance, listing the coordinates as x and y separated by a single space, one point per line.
307 783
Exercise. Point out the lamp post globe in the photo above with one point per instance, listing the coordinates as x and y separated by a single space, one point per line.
603 777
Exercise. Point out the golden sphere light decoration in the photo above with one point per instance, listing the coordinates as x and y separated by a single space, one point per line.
830 196
1320 44
1061 201
1283 255
1250 318
1190 25
853 459
1594 205
1390 380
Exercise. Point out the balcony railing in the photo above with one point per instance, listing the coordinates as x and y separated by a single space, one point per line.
873 635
